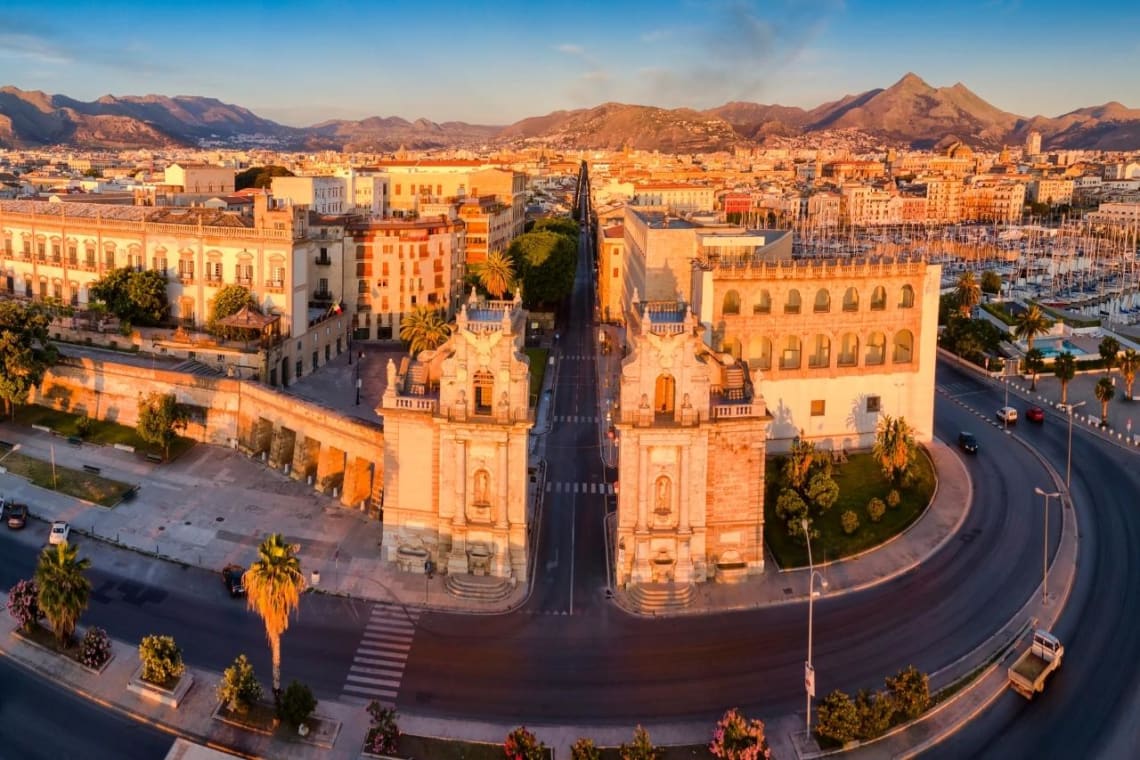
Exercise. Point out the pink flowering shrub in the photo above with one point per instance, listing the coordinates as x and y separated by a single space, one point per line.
23 604
523 745
737 738
95 649
384 735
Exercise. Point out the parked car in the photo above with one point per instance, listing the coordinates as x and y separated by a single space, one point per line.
1007 414
59 532
16 515
232 577
1035 414
968 443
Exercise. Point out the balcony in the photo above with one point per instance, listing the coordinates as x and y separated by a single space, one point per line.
322 296
322 261
246 282
186 278
214 282
275 286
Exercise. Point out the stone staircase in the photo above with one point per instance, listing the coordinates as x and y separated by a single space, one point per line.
651 598
478 587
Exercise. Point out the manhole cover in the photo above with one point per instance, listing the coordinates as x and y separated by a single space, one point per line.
186 523
162 527
219 519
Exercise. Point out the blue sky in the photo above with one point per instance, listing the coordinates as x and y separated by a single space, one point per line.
497 62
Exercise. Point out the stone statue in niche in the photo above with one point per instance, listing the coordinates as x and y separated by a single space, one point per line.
482 495
644 401
664 497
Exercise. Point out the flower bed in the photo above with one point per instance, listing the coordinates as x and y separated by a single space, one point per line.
170 692
262 718
73 650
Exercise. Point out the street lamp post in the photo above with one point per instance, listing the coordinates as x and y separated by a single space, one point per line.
1045 555
1069 457
809 671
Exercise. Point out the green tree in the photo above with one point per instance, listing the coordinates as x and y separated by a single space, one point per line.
522 744
545 263
132 296
799 463
1029 324
161 418
239 690
1129 363
559 225
424 329
585 749
823 491
496 274
229 301
991 282
876 508
1109 349
909 690
273 585
969 293
837 717
297 703
790 506
1105 391
259 176
161 659
1034 363
876 712
850 521
641 748
63 588
894 447
25 351
1065 369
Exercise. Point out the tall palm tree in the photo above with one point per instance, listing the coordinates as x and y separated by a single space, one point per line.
424 329
894 446
496 273
1065 368
969 292
273 585
1029 324
1129 363
1034 363
1108 349
1105 391
64 589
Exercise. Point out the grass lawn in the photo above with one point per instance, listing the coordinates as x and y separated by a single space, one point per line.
538 358
77 483
100 431
859 480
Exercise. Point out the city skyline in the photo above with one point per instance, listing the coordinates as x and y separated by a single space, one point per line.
532 60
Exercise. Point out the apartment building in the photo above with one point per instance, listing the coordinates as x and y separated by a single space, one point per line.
490 226
323 195
1054 192
866 206
415 183
611 270
678 197
993 200
944 200
198 179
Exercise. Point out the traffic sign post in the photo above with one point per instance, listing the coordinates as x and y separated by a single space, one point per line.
809 679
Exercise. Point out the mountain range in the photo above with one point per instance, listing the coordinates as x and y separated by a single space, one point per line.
908 113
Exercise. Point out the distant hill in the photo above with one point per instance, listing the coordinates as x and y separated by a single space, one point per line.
909 112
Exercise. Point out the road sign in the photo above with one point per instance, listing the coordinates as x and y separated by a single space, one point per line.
809 679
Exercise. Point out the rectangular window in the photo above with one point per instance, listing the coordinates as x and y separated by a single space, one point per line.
817 408
323 285
873 404
615 273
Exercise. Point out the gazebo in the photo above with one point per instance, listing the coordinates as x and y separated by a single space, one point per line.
267 326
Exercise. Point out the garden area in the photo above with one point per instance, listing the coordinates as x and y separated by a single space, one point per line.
100 432
538 357
851 505
78 483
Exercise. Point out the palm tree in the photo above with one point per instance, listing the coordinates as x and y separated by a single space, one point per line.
496 273
1129 363
1029 324
1108 349
64 589
424 329
969 293
273 586
1034 363
894 447
1105 391
1065 368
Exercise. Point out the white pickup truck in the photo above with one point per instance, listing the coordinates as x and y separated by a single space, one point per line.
1027 676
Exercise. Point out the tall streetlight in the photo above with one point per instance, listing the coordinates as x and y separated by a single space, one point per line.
13 450
1069 458
809 671
1045 556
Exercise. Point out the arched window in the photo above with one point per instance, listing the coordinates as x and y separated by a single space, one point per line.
822 301
904 347
876 348
906 297
763 303
663 393
790 356
878 298
820 352
731 303
759 352
792 304
851 299
484 384
848 350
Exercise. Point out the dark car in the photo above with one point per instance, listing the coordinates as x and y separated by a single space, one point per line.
1035 414
232 577
16 515
968 443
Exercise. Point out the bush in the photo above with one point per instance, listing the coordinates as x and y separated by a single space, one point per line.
823 491
161 659
297 703
523 745
585 749
893 498
24 605
83 426
850 522
790 505
876 713
910 692
641 748
875 509
837 718
239 688
384 736
95 648
737 738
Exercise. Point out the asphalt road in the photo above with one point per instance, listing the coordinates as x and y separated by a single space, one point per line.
40 721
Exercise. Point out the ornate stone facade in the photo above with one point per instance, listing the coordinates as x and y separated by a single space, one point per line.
456 426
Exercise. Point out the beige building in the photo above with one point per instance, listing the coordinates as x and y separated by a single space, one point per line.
323 195
199 179
866 206
456 427
412 184
676 197
993 200
944 200
611 271
1054 192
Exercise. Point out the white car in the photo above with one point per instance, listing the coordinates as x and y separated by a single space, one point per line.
1007 414
59 532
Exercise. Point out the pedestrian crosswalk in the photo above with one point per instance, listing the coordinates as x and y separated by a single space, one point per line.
378 666
583 419
558 486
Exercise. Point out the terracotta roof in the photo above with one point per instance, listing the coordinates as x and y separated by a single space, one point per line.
249 319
